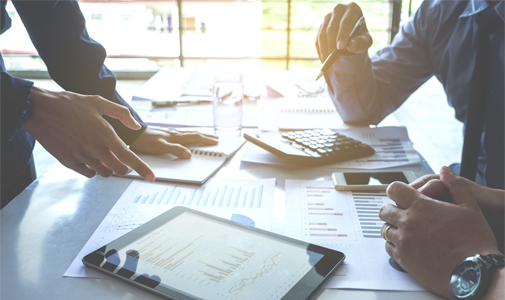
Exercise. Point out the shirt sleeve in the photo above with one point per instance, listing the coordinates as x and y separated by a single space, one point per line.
74 61
14 93
366 90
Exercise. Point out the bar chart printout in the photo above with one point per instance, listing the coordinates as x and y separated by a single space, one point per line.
249 202
216 261
348 222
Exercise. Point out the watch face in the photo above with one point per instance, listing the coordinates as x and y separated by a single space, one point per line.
465 279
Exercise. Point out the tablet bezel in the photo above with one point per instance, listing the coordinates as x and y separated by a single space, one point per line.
303 289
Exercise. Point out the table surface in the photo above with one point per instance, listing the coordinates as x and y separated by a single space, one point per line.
44 228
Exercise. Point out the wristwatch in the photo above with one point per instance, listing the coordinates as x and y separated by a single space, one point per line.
472 277
26 114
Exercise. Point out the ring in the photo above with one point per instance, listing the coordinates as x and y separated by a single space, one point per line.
386 233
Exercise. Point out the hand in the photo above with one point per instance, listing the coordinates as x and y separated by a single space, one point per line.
429 238
490 201
166 140
336 28
71 127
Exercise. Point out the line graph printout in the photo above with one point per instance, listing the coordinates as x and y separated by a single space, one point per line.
348 222
248 202
212 260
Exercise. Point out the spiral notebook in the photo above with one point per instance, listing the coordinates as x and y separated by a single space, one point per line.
308 113
205 161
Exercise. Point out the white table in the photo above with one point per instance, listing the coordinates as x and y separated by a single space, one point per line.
44 228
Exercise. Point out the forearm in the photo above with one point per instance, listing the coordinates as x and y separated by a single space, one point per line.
497 288
365 90
356 93
75 61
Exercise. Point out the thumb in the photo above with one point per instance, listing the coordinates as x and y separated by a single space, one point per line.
117 111
458 187
360 44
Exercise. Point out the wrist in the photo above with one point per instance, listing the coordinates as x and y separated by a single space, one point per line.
474 278
36 96
497 288
27 112
351 64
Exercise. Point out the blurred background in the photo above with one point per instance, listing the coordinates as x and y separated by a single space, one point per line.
142 36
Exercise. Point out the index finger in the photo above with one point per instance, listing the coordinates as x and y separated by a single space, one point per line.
130 159
404 195
193 137
421 181
391 214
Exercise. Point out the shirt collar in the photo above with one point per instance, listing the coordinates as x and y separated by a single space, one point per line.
476 6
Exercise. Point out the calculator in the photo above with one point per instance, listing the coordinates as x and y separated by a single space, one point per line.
311 147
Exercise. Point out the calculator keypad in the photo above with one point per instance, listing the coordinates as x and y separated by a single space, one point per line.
322 142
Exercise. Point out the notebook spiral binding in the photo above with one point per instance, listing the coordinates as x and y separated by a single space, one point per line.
308 110
206 152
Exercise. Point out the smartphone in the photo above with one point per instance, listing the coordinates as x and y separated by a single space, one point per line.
368 181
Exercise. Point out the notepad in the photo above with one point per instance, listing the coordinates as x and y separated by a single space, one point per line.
205 161
308 113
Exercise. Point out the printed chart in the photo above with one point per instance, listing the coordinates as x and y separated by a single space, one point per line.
249 202
325 218
348 222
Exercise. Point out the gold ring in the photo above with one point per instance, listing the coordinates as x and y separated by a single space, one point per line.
386 233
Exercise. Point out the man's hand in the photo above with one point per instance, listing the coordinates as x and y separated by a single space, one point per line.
166 140
490 201
71 127
336 28
429 237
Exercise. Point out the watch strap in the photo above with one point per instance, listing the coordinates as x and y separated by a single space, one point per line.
495 260
26 114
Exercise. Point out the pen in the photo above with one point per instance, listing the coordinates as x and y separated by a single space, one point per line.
328 63
174 103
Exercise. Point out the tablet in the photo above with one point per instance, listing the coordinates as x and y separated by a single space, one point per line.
186 254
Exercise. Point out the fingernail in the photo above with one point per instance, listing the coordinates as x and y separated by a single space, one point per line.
340 45
150 177
353 45
447 169
186 154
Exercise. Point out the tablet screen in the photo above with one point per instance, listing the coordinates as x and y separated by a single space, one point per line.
206 258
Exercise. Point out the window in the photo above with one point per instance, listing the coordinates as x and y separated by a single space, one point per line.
276 34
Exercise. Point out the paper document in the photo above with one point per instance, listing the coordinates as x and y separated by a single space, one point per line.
392 146
191 115
176 84
245 201
308 113
348 222
204 162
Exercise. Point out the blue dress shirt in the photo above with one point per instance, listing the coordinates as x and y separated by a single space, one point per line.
438 40
74 61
